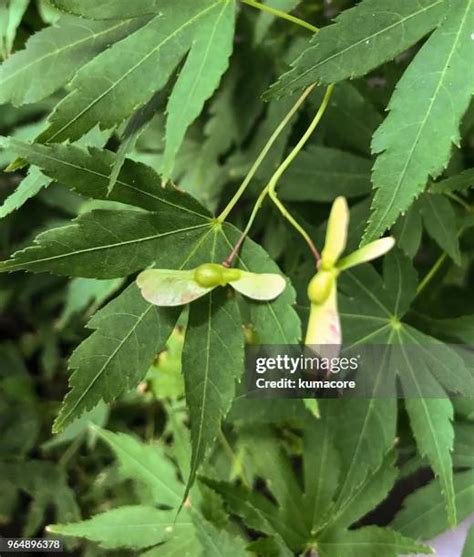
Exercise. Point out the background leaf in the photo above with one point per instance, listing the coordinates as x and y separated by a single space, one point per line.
120 9
28 188
212 362
129 333
360 39
440 222
469 545
321 174
52 57
369 542
164 40
134 527
11 14
424 515
431 424
265 19
107 244
145 463
462 181
408 157
200 75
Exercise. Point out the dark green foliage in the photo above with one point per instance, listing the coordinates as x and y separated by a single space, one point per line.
126 129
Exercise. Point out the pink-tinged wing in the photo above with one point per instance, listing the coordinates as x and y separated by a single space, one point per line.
324 326
262 287
163 287
336 232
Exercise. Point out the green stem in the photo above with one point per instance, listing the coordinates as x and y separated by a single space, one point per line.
280 14
459 200
234 459
302 142
291 219
432 272
263 153
271 187
240 241
442 258
70 452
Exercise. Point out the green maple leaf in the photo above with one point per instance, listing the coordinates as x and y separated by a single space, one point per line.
131 526
441 223
109 244
87 171
28 188
142 526
375 315
200 76
469 544
351 117
11 14
102 243
117 82
108 9
128 333
321 471
463 456
423 515
419 109
361 39
35 181
47 486
460 328
408 231
459 182
216 543
313 518
323 173
142 331
213 357
147 464
368 542
52 57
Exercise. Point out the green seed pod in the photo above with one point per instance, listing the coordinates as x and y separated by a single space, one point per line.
231 274
320 287
209 275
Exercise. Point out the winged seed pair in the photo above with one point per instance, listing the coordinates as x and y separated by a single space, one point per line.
167 287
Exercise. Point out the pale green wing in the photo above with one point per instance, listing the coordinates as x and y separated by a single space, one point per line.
263 287
324 327
163 287
336 233
367 253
